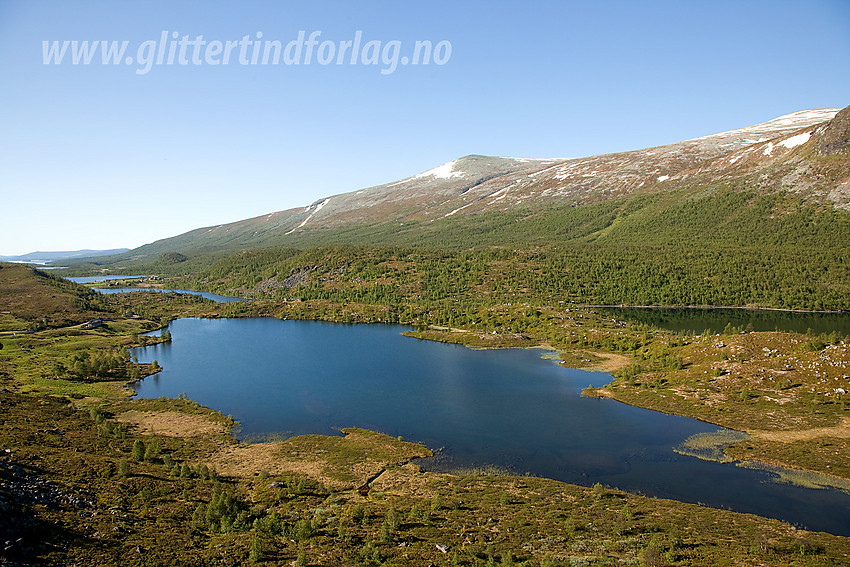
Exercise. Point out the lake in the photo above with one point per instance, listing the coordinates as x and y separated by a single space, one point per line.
696 320
510 408
205 294
95 279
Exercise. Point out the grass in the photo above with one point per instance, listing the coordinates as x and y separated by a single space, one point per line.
710 446
806 479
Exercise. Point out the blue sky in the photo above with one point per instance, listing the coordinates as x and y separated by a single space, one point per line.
100 156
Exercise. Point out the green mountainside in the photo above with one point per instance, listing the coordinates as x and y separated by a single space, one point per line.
764 202
473 200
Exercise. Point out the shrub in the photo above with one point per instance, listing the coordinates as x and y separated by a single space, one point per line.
152 450
124 468
302 530
256 554
138 450
392 519
97 414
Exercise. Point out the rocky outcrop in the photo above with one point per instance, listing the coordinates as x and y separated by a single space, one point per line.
835 136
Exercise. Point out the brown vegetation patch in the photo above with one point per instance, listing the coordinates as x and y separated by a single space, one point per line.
842 430
245 460
409 480
609 362
170 423
339 463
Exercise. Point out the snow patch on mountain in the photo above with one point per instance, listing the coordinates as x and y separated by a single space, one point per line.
787 122
457 210
318 208
797 140
445 171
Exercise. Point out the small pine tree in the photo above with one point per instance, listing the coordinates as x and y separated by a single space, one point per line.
385 534
392 519
152 450
599 490
256 554
199 516
124 468
133 372
303 530
138 450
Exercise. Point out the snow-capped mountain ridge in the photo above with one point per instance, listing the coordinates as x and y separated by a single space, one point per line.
773 156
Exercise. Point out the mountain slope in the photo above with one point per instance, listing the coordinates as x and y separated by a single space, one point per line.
30 298
800 153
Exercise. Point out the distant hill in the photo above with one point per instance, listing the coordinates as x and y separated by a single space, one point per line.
797 165
38 257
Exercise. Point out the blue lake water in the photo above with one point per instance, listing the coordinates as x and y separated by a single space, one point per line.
205 294
509 408
95 279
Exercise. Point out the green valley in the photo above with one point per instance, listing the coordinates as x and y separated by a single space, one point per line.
487 253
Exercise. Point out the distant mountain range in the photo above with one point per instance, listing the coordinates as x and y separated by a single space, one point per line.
40 257
804 154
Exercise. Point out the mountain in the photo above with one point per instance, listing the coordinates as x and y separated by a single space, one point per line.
803 154
43 257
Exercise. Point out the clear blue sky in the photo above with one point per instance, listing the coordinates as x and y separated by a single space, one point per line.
99 156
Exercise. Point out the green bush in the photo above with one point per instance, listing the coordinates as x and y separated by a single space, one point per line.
138 450
257 553
124 468
152 450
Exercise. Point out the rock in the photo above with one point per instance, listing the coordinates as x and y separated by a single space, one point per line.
835 137
442 547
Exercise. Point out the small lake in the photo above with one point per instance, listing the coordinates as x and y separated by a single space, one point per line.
95 279
205 294
510 408
697 320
